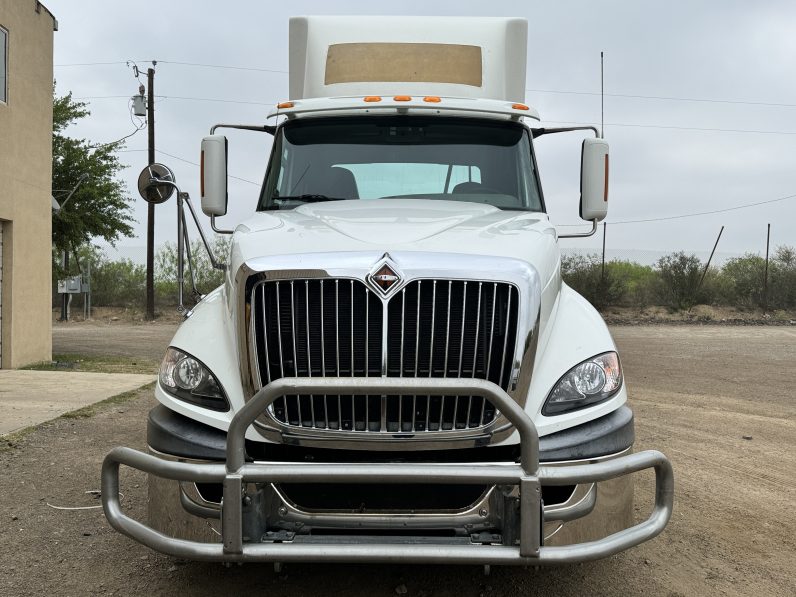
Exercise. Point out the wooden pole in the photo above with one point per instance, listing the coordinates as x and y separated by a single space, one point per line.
150 227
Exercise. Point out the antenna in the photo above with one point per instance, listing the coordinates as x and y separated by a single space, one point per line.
602 98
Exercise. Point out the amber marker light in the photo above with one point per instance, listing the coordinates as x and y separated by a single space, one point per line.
519 107
372 98
284 105
403 98
202 175
432 99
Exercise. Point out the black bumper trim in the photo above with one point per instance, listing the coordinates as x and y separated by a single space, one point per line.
171 433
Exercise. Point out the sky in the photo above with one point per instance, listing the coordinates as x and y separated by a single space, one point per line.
700 104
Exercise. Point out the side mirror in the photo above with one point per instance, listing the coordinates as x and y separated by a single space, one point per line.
594 180
214 175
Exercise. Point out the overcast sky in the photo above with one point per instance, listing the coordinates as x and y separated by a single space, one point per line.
669 156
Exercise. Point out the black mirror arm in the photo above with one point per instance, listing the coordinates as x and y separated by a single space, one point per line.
563 129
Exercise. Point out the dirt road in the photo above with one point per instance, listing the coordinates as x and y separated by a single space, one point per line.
698 392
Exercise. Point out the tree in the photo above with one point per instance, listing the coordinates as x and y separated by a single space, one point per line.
100 207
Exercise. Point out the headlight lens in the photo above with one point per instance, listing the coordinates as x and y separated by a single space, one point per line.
587 383
186 378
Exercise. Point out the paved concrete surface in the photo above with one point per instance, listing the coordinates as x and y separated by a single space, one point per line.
32 397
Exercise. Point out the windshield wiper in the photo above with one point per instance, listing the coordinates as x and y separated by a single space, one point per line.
308 198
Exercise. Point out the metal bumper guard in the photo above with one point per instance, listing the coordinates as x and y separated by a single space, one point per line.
527 475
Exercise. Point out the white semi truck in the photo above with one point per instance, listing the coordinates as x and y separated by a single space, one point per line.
393 369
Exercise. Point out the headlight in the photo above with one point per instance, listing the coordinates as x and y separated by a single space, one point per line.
588 383
186 378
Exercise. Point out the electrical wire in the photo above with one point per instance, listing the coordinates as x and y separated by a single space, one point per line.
225 66
180 97
695 214
118 140
176 157
567 122
674 127
554 91
667 98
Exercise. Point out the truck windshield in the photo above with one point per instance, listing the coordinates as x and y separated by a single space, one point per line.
406 157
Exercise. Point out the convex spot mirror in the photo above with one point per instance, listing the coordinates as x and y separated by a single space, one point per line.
156 183
214 175
594 180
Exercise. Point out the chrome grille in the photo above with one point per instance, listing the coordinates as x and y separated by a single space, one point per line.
335 328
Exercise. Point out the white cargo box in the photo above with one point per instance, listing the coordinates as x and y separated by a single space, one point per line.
472 57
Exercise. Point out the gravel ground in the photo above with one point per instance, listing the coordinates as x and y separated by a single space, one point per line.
717 400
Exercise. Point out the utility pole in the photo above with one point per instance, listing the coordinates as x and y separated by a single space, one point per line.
150 226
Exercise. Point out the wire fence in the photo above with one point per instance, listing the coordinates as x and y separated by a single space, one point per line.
608 276
762 278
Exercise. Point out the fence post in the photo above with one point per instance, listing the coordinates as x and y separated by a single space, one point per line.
765 275
707 265
605 231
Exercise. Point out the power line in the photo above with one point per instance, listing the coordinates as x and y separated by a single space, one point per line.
96 63
695 214
569 122
226 66
180 97
667 98
117 140
555 91
705 213
179 63
676 128
176 157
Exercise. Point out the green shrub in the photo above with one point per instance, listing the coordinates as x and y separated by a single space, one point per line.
742 281
585 275
638 282
782 278
118 284
679 281
206 277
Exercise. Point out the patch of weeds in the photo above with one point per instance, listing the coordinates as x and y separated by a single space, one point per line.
96 364
93 409
9 441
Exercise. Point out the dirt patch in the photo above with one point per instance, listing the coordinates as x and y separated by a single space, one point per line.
698 392
120 315
146 341
699 314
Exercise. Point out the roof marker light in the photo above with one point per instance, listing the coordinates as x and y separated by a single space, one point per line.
433 99
372 98
519 107
284 105
403 98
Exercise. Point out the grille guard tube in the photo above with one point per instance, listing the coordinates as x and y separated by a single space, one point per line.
528 475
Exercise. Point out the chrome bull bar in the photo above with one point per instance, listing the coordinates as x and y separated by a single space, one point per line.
528 475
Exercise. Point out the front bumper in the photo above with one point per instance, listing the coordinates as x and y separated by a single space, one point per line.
527 477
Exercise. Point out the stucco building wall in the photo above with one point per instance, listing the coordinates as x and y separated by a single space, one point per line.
25 183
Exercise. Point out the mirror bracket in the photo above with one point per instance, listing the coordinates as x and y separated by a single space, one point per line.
156 184
581 234
218 230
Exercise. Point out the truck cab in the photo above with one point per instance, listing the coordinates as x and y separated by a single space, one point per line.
393 369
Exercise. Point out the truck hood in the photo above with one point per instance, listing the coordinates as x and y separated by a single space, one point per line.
398 225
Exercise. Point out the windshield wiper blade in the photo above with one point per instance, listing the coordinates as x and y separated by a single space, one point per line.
308 198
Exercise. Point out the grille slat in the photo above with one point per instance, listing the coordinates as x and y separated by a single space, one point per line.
339 329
